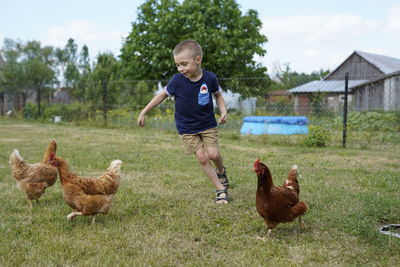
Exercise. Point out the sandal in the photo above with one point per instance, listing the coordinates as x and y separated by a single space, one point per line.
223 177
222 195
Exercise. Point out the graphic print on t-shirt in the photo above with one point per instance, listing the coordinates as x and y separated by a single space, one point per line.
204 96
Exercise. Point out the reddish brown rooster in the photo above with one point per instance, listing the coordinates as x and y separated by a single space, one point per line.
278 204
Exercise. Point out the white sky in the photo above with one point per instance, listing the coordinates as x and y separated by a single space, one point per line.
308 34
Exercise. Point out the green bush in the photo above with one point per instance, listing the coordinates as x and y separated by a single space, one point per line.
68 112
372 121
317 137
30 111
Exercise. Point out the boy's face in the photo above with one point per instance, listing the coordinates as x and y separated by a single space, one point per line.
188 64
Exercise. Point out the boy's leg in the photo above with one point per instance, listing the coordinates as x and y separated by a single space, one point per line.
210 139
215 156
204 161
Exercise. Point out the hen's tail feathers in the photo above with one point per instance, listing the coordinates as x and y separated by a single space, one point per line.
291 181
115 166
16 158
293 173
299 209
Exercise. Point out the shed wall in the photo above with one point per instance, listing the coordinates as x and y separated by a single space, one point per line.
358 69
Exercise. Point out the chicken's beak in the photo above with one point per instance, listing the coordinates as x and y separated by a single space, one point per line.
257 163
257 168
52 160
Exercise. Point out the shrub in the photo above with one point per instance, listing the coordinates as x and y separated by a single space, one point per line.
69 112
372 121
30 111
317 137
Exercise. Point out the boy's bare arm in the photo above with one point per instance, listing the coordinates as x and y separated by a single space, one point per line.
222 107
158 99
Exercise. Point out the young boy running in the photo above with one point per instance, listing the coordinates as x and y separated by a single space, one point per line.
194 112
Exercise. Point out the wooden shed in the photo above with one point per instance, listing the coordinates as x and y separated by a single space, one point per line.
378 94
374 79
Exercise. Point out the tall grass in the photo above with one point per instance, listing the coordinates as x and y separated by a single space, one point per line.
163 213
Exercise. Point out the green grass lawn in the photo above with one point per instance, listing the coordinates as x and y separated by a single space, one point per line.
163 213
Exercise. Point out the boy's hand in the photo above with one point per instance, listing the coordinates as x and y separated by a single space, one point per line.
140 120
223 118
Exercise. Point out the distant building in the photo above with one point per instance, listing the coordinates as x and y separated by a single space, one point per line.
62 96
373 84
276 95
381 93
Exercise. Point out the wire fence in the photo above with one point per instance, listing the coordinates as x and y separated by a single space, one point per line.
369 115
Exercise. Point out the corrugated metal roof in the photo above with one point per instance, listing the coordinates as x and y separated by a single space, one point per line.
392 74
278 93
325 86
384 63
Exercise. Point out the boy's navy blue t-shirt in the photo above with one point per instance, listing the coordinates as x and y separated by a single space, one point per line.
194 111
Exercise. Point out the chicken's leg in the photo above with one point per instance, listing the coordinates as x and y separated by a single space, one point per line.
93 219
30 204
269 232
301 222
73 215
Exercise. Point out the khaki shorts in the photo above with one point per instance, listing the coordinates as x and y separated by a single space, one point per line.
193 142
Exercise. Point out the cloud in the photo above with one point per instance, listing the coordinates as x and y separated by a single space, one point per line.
393 19
97 37
318 28
312 42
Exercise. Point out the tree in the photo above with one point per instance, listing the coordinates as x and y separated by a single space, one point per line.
29 67
137 95
79 90
84 60
12 78
229 39
102 90
38 63
287 79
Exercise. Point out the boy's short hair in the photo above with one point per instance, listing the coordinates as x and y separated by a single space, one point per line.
189 44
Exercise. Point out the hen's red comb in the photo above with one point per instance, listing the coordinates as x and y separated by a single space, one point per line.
256 163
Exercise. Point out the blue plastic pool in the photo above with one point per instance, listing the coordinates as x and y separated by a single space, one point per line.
285 125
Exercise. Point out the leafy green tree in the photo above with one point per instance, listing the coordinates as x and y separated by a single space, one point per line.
29 68
39 69
103 90
286 78
137 95
229 39
71 74
12 79
80 87
84 60
75 68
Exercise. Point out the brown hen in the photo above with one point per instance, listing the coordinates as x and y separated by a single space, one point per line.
278 204
89 196
33 179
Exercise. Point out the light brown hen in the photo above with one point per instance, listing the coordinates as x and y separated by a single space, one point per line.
89 196
33 179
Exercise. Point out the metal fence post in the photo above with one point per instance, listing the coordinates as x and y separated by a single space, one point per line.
346 91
